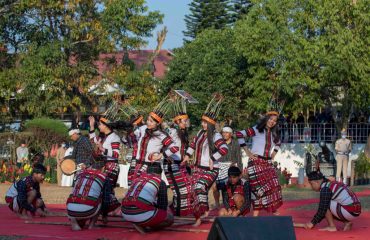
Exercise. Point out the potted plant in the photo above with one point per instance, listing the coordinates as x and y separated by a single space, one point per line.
362 169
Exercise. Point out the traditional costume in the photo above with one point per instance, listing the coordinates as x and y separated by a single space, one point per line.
134 136
91 195
242 189
207 155
154 141
111 144
17 195
146 201
339 199
233 157
266 190
177 175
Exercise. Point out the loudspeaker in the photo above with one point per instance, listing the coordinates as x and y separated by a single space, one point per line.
252 228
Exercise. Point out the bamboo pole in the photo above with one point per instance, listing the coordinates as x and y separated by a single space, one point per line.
206 219
127 227
299 225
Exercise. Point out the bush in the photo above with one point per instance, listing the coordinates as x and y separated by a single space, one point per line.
55 126
362 167
46 133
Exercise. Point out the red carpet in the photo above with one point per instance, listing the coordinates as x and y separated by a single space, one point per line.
11 225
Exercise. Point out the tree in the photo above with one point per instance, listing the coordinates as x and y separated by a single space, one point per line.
206 14
56 44
310 53
239 8
207 65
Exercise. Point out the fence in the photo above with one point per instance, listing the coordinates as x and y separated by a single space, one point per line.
318 132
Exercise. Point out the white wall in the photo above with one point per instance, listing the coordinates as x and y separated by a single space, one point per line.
296 151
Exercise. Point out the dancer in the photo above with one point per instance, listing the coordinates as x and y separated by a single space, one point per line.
208 146
154 144
177 175
145 204
337 202
24 196
236 195
91 195
108 146
265 187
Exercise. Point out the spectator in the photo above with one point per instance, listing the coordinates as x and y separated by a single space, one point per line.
22 154
300 124
312 121
60 156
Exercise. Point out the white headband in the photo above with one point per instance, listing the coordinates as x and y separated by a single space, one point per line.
227 129
73 131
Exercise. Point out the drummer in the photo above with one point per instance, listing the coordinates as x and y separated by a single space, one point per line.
82 149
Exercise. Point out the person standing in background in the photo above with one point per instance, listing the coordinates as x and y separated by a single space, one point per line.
343 147
22 154
60 156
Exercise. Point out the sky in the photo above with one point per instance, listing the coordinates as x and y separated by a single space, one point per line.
174 12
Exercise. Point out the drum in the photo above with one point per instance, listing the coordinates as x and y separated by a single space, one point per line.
68 166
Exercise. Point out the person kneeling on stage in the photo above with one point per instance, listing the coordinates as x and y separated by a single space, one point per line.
24 196
145 204
336 202
236 195
91 195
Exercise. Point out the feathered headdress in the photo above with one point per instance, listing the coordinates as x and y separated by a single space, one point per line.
120 109
275 106
213 109
161 109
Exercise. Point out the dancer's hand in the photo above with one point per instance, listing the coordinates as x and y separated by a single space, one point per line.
155 156
245 173
273 155
210 164
100 147
185 160
82 166
236 213
308 225
92 122
229 212
169 160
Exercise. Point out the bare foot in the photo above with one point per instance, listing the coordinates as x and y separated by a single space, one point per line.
75 227
140 229
329 229
347 226
205 214
197 222
105 220
276 213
